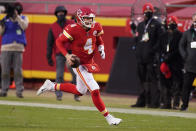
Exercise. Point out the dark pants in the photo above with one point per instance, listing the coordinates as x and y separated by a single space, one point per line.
177 79
60 66
149 94
187 88
166 85
171 88
11 59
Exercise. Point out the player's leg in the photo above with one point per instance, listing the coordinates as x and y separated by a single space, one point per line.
78 89
93 87
76 97
47 86
65 87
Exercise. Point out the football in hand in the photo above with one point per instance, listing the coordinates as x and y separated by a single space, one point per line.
76 61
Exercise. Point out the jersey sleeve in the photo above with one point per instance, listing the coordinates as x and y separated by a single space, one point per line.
65 37
67 32
100 31
99 34
99 41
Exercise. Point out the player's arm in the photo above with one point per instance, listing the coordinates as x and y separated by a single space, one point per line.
99 39
64 38
100 43
99 35
60 43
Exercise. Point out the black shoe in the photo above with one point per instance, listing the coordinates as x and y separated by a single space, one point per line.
153 106
19 95
137 105
77 98
3 94
165 107
183 109
59 98
175 108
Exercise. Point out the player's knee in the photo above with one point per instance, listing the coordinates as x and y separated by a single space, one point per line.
95 93
93 85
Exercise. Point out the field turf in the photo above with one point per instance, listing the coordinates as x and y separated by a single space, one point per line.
22 118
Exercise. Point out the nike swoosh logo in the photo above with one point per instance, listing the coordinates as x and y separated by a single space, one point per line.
43 89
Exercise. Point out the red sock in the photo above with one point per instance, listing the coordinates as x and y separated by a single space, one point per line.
98 102
67 87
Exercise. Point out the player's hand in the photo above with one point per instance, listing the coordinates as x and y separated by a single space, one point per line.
69 59
101 51
50 62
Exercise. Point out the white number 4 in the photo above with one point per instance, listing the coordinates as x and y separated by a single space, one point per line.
88 46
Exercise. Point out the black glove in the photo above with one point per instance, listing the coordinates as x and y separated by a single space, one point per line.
133 27
50 62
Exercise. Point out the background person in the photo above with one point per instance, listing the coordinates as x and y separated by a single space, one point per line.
12 29
55 30
171 65
84 36
149 31
188 52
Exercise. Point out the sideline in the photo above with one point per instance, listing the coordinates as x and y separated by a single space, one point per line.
119 110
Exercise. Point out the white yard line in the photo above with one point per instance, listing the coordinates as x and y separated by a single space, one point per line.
119 110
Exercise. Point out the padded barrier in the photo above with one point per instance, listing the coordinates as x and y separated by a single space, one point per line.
123 78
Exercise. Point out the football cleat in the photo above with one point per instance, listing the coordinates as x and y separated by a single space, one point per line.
112 120
77 98
47 86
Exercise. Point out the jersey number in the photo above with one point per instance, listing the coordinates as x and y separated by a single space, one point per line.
89 46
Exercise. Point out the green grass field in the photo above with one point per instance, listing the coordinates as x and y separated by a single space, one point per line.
21 118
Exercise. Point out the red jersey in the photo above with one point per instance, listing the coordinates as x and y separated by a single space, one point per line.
83 42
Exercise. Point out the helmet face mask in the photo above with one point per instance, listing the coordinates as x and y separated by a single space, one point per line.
87 21
85 17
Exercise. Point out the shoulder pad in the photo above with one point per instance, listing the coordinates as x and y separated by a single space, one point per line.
99 29
73 25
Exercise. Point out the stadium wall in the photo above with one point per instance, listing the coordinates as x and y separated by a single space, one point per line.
35 62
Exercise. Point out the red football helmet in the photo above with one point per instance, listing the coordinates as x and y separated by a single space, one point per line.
85 17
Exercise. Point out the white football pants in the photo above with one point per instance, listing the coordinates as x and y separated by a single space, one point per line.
84 80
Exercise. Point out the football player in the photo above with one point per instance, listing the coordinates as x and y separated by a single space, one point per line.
84 36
